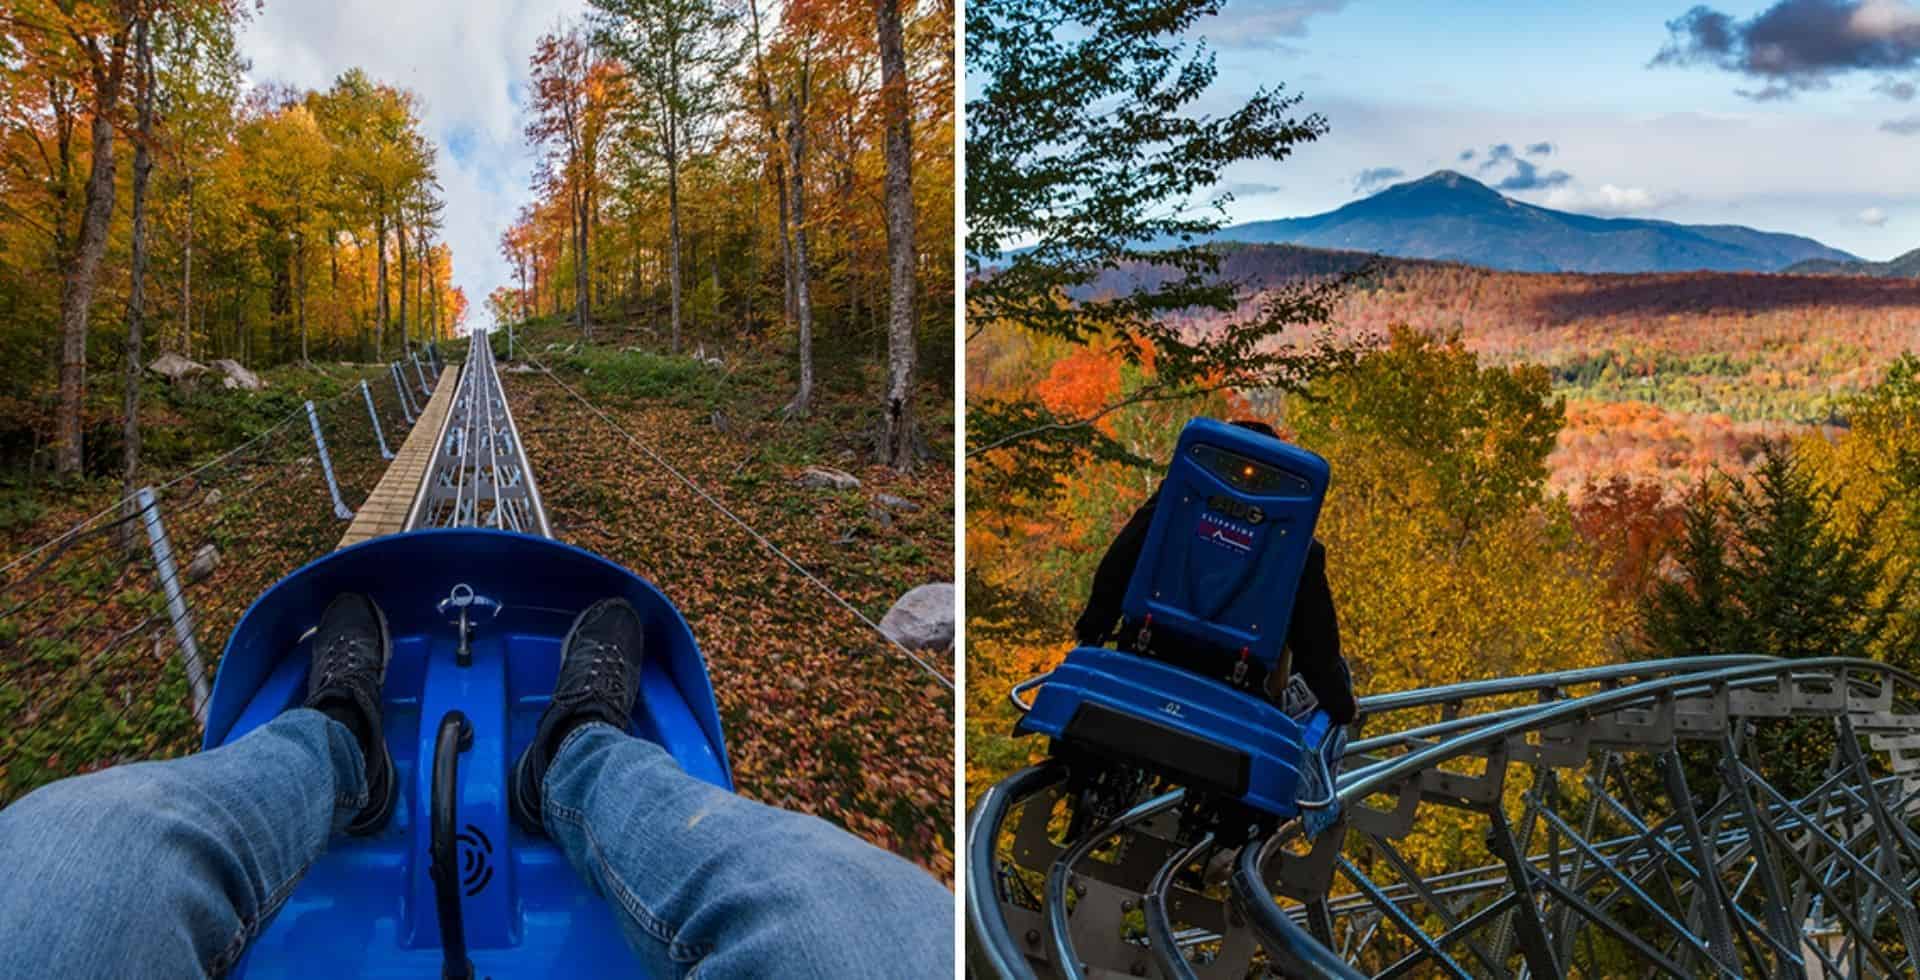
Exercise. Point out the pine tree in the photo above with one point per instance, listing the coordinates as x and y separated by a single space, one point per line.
1765 567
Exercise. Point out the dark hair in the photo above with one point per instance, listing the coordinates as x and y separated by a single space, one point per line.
1257 426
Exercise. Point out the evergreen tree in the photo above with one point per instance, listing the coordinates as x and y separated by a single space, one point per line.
1764 567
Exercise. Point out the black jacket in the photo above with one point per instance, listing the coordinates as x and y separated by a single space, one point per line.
1313 634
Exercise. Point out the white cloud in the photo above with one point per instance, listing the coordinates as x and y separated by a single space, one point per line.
1607 199
1259 23
466 60
1873 217
1805 173
1882 20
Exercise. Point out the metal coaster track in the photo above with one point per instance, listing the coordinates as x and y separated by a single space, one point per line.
1632 825
479 475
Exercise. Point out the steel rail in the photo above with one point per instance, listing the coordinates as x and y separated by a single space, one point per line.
990 946
1059 931
1823 687
480 476
1160 938
1629 848
1667 689
1358 786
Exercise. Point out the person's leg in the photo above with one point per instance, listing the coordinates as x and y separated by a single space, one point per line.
705 880
167 869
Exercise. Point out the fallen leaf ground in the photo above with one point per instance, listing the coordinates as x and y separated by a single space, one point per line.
821 714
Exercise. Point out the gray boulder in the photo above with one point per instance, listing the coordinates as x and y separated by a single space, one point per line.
204 562
238 377
891 502
828 478
922 619
174 368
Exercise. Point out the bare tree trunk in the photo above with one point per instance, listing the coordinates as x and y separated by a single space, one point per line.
186 281
583 301
380 283
300 294
779 169
802 403
83 267
400 219
430 287
673 236
897 435
333 282
137 273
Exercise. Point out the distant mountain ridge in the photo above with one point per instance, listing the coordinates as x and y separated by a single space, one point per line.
1451 217
1902 267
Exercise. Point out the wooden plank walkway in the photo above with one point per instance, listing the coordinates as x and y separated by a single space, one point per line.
385 509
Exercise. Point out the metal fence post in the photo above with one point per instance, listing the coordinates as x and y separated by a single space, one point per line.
326 465
425 391
379 436
406 404
176 603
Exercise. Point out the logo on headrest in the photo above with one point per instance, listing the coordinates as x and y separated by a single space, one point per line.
1237 509
1224 533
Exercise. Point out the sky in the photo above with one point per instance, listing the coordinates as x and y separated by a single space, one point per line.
1792 115
467 62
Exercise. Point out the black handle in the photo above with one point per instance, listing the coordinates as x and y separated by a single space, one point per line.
455 737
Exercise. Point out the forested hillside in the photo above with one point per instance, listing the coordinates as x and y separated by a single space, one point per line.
1665 375
769 174
154 201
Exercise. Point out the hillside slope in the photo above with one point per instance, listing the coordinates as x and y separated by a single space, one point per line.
1902 267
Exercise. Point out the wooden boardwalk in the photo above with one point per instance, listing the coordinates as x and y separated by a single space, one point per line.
385 509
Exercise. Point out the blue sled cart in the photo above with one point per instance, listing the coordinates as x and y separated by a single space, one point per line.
477 619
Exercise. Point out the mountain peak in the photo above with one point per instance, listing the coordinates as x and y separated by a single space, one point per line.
1441 192
1446 180
1450 216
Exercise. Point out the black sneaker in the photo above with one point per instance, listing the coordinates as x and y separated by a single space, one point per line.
599 680
351 647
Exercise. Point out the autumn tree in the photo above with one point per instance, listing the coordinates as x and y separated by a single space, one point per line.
575 94
1480 432
144 136
1082 154
198 89
373 129
798 95
680 55
81 50
897 431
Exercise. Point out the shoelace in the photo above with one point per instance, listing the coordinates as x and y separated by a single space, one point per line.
346 655
606 670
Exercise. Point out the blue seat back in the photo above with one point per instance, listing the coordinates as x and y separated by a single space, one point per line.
1228 541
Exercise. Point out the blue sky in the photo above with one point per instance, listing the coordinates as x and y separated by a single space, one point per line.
1410 86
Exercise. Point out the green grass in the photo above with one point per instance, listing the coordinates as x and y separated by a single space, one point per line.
638 376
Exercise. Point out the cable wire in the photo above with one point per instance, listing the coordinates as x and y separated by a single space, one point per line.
735 518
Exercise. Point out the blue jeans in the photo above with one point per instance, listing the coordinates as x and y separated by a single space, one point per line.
168 869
